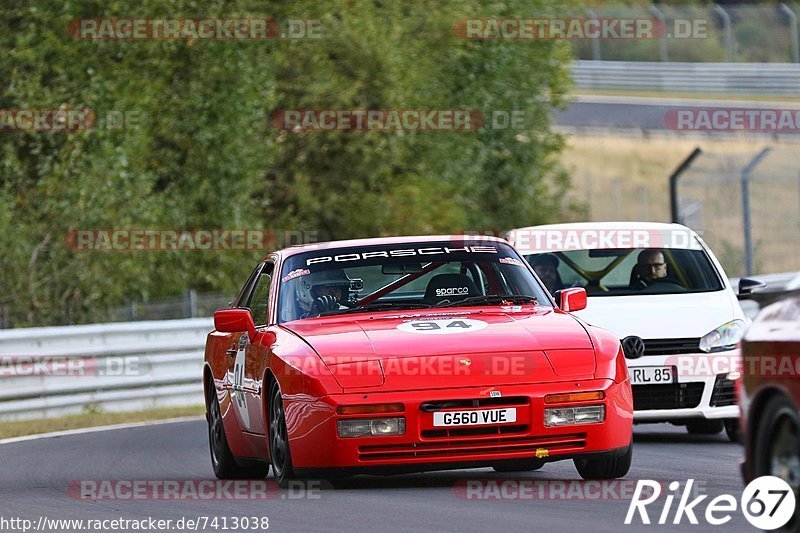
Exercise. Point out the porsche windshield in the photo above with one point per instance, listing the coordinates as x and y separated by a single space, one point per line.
617 272
333 281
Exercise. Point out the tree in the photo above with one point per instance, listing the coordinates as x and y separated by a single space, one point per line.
199 152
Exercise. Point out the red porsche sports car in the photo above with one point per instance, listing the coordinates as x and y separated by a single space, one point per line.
410 354
770 396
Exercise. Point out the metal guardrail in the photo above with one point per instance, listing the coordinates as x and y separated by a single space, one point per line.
141 365
741 78
48 372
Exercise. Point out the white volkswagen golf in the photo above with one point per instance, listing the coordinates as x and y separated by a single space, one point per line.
659 288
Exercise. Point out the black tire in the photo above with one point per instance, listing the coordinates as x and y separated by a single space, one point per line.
279 453
704 427
775 446
520 465
222 460
732 429
605 467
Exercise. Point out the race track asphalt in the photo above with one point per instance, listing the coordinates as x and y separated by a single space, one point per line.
41 478
643 113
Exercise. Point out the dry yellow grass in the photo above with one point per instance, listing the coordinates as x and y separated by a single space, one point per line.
31 427
626 178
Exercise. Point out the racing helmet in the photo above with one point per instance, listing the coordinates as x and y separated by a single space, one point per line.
312 286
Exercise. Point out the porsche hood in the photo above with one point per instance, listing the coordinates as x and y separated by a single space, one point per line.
429 350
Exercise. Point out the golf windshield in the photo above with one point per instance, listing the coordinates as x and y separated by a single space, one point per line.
635 271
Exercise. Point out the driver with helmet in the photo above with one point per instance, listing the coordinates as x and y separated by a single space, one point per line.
320 292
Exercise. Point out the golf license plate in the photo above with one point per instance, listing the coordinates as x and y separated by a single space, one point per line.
649 375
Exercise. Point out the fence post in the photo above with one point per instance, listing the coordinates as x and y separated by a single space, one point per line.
131 310
793 29
748 238
673 184
663 40
596 54
726 25
191 303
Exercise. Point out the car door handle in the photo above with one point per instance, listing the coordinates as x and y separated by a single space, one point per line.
231 351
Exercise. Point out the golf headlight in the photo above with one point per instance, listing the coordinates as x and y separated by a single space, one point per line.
568 416
724 337
366 427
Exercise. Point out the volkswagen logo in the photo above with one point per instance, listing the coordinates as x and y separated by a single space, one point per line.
633 347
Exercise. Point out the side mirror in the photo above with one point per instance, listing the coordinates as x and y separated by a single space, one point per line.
570 300
235 321
748 285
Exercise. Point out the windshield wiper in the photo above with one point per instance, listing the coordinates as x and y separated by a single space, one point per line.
491 299
380 306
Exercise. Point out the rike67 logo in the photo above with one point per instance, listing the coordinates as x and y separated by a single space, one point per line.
768 503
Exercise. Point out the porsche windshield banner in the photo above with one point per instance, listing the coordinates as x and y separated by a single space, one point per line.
426 252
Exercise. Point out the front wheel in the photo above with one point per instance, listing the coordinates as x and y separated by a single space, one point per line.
777 443
732 430
280 456
605 467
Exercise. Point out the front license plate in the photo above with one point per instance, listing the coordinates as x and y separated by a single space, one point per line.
648 375
475 418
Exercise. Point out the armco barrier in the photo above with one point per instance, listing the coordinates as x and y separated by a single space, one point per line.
125 367
146 365
741 78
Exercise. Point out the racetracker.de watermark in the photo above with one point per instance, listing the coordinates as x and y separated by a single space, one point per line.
72 366
213 29
67 120
360 120
349 366
546 489
191 489
162 240
734 365
733 119
537 29
582 239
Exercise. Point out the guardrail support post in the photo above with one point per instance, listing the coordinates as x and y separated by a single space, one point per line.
793 30
673 184
748 238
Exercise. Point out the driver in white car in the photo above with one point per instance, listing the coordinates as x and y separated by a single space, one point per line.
650 267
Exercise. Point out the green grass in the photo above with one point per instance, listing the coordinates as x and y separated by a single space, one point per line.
92 419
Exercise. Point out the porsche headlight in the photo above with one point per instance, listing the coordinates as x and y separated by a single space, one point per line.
364 427
724 337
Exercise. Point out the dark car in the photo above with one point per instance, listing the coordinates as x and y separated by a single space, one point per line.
770 395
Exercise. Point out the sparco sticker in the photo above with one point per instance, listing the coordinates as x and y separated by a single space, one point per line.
444 326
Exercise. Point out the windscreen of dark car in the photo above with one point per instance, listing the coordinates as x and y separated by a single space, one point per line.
330 281
635 271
